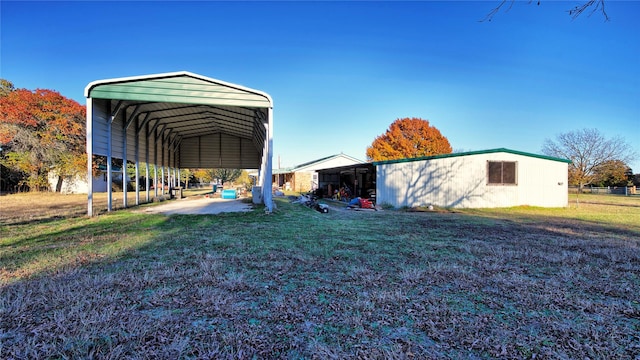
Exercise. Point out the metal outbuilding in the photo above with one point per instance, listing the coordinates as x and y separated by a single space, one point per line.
475 179
176 121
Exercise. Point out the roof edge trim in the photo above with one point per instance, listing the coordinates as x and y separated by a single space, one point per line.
324 159
479 152
95 83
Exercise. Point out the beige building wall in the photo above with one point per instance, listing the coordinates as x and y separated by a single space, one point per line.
302 181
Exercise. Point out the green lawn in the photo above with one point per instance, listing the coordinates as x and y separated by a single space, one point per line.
507 283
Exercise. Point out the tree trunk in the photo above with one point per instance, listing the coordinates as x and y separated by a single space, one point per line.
59 184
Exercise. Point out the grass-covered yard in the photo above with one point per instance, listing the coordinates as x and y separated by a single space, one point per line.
506 283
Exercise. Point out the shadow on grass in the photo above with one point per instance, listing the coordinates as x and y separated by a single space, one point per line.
611 204
301 284
567 221
75 240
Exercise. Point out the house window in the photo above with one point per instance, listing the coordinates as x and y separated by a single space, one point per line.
501 173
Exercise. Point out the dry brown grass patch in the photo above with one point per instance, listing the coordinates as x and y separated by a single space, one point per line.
298 284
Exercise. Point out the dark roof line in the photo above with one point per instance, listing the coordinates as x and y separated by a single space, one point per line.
480 152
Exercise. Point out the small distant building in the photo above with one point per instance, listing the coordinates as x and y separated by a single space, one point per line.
477 179
304 177
78 184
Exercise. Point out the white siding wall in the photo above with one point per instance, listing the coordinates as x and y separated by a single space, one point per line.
101 116
100 121
218 151
544 183
78 184
335 162
461 182
143 145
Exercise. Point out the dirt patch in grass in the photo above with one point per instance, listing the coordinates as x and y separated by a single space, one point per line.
301 284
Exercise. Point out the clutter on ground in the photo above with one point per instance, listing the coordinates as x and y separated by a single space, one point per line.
361 203
311 201
360 198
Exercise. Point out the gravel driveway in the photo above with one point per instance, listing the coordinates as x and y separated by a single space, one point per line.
199 206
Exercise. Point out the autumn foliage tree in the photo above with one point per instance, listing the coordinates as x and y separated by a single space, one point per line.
408 138
41 131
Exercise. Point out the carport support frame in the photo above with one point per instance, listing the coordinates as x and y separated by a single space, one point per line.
105 89
267 182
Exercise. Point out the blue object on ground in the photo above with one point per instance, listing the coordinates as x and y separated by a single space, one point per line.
229 194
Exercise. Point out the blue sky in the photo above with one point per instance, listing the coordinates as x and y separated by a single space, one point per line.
341 72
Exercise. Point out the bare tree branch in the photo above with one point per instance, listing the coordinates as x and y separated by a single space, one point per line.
578 10
587 149
495 10
596 4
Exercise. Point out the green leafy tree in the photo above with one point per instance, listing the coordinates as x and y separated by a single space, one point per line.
185 177
612 173
6 87
225 175
245 180
203 175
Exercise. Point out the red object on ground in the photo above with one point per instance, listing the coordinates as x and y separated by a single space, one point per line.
366 204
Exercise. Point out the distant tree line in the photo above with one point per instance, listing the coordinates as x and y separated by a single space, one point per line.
42 131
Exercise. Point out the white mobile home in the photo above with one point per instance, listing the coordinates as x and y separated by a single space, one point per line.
478 179
78 184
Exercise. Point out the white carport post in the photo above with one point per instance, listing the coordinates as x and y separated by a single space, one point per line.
89 140
114 113
146 159
137 160
125 178
268 181
109 167
90 157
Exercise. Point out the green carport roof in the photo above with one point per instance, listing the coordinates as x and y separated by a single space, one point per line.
178 87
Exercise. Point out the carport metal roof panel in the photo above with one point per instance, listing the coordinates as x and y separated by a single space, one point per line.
178 87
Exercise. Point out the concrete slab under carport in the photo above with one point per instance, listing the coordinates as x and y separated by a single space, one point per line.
199 206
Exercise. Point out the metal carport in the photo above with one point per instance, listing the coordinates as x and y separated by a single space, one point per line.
176 121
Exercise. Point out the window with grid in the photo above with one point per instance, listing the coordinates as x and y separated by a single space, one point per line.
501 173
